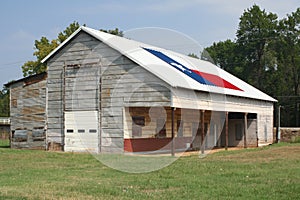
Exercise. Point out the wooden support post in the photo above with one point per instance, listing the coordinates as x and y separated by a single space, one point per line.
100 108
202 132
226 131
245 130
219 131
219 136
64 107
173 138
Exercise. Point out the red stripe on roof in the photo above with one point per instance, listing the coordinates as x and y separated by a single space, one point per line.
218 81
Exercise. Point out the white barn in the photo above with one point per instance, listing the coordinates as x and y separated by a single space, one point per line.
106 93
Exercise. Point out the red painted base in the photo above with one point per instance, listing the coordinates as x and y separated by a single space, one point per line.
154 144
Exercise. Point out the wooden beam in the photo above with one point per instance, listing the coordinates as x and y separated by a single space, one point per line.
173 139
202 131
226 131
100 109
245 130
64 107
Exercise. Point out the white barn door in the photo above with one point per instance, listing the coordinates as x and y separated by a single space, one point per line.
81 131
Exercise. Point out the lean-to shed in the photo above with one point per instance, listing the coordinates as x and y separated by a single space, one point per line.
110 94
28 112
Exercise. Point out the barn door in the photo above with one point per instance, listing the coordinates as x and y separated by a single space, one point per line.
81 105
81 131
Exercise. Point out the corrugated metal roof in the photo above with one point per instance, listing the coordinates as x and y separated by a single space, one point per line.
176 69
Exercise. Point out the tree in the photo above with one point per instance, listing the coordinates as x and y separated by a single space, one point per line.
289 49
256 31
225 55
4 103
288 53
62 36
43 47
115 31
193 55
266 54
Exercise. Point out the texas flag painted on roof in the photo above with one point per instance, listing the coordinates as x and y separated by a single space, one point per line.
201 77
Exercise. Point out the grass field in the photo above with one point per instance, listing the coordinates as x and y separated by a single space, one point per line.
271 172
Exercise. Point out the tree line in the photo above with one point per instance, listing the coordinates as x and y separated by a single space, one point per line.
266 54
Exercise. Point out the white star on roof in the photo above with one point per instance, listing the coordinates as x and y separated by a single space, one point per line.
180 67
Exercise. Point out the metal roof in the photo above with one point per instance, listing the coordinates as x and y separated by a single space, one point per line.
40 76
176 69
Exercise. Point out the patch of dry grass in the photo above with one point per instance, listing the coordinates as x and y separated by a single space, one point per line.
263 154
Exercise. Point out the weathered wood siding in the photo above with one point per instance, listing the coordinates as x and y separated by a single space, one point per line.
27 112
97 77
73 79
126 84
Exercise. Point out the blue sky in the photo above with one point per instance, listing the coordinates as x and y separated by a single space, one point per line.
206 21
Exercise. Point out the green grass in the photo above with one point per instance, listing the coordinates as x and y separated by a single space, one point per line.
4 143
271 172
296 139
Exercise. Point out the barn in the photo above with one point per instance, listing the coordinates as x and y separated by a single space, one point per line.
105 93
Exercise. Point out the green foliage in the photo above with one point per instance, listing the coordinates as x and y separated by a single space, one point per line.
43 47
255 32
266 54
295 139
193 55
4 103
115 31
288 49
62 36
224 56
4 143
